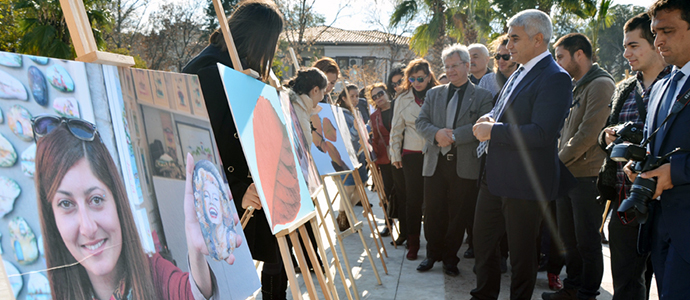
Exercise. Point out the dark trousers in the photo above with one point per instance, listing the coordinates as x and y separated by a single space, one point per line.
579 219
520 220
446 197
671 270
400 199
274 281
414 188
550 242
628 268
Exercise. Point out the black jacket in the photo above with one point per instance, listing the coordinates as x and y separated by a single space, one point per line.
262 243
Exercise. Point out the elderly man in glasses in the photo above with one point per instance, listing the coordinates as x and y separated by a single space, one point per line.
479 62
451 166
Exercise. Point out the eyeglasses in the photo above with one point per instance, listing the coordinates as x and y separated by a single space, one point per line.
396 84
377 95
504 56
419 79
45 124
453 66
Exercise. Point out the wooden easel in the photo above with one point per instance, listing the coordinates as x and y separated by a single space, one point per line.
355 225
375 177
83 40
293 233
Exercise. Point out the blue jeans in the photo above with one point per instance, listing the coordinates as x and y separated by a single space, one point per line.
579 219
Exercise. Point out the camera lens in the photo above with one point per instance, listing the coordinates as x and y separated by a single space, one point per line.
640 194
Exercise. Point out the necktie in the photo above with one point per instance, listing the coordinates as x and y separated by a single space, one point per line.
500 105
665 107
450 117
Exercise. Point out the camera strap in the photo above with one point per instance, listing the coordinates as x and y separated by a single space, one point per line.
639 101
678 105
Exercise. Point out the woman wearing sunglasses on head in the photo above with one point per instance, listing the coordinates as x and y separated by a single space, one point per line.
504 67
88 226
406 144
255 26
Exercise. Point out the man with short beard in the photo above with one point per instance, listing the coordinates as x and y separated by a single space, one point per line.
578 212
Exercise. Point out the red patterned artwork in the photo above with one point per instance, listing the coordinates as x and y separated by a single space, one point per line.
276 164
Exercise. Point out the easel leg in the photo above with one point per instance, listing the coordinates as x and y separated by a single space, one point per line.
315 263
384 202
311 289
340 239
371 217
289 268
351 217
336 261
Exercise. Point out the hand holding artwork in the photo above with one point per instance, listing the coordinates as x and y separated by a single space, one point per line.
251 198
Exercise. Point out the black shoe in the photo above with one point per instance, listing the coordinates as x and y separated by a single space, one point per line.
360 204
426 265
469 253
401 240
451 270
385 232
504 265
564 294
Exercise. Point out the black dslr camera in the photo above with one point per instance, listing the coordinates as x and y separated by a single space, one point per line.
628 132
642 189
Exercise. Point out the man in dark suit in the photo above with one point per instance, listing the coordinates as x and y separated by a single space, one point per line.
522 171
670 221
451 166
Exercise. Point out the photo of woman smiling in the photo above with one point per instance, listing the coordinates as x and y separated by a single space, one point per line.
92 247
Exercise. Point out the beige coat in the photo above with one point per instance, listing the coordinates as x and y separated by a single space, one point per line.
578 148
403 130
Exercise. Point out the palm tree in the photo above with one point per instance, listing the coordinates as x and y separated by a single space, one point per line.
44 30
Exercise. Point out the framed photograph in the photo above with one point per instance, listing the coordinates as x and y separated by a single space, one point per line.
197 141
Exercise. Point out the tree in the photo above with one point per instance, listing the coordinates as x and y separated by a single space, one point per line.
10 35
44 30
299 15
174 38
211 23
126 20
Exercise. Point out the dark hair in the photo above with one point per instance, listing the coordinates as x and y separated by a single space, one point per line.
575 41
306 80
327 65
362 92
343 95
642 22
415 66
682 5
396 69
56 154
255 26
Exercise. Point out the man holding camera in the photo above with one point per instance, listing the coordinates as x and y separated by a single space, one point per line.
668 121
629 106
578 212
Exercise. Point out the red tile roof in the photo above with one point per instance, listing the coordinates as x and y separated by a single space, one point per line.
334 36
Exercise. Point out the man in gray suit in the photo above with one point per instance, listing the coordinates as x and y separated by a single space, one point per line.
451 166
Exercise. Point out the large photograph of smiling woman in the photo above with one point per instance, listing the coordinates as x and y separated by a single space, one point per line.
92 248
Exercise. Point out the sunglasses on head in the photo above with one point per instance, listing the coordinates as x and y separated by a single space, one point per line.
504 56
45 124
377 95
419 79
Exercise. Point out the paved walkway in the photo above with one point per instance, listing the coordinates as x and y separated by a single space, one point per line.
403 282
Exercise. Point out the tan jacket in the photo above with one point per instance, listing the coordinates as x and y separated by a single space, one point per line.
578 148
403 130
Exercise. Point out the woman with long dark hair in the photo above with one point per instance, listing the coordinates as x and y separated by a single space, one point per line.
406 144
255 26
91 243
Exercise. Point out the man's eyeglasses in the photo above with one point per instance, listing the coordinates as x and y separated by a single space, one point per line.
397 83
377 95
419 79
45 124
504 56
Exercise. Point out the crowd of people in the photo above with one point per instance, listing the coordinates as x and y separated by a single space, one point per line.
516 155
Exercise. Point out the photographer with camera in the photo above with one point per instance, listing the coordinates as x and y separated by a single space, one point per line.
665 168
625 124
